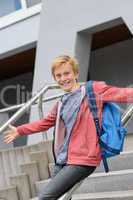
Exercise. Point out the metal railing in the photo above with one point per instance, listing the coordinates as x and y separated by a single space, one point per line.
127 115
25 107
38 99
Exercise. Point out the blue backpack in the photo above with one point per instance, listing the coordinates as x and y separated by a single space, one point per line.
111 134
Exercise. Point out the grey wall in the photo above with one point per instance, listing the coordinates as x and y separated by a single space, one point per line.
19 36
3 119
60 23
14 91
32 2
114 64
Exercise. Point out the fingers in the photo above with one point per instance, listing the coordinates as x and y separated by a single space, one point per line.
8 139
6 133
10 134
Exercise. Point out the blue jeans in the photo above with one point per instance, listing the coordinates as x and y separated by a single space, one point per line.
65 177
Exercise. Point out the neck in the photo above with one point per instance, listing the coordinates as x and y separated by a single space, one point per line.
77 86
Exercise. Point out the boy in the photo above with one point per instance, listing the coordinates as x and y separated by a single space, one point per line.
76 148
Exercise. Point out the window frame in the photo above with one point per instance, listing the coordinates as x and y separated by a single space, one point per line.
19 15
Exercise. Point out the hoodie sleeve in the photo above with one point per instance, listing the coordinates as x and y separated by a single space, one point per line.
107 93
40 125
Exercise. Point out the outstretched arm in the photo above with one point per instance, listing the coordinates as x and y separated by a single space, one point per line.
108 93
37 126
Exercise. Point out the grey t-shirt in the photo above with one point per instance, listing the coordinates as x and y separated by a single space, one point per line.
68 113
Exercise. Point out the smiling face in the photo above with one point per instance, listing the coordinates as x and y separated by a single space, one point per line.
66 77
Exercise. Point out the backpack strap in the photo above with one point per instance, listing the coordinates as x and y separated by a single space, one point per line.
94 110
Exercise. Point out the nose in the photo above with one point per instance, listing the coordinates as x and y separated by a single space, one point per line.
63 78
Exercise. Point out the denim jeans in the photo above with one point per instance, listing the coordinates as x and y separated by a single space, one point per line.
65 177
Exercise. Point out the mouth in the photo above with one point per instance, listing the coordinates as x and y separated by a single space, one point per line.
65 84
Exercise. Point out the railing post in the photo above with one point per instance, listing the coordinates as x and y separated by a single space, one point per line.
69 194
41 115
27 105
127 115
23 109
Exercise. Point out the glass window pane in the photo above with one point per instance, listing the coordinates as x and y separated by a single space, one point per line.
32 2
9 6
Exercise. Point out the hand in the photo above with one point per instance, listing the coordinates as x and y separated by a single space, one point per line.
11 134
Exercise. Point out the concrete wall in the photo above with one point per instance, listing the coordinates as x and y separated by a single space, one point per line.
62 20
16 38
19 36
15 91
114 64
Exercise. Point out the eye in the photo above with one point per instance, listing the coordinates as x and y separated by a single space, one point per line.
66 73
58 75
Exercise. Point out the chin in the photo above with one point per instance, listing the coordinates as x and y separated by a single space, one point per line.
66 89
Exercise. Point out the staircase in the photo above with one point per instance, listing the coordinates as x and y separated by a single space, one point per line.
21 168
25 170
117 184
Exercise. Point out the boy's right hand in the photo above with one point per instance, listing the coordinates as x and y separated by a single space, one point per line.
11 134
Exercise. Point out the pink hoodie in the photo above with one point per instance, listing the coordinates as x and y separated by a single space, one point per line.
83 147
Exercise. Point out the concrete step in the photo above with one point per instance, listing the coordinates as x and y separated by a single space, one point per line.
112 181
31 169
120 162
47 147
2 173
41 184
102 182
114 195
11 159
51 169
9 193
41 158
22 183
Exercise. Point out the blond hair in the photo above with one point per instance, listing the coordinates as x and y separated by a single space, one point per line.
65 59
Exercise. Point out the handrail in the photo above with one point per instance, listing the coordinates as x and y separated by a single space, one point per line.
51 86
16 107
27 105
68 195
127 115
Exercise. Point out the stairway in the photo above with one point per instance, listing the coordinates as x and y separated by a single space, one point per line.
25 170
21 167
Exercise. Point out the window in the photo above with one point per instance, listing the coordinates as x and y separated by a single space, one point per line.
32 2
9 6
